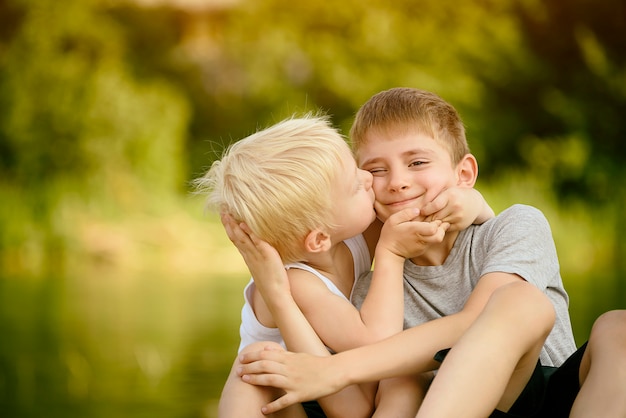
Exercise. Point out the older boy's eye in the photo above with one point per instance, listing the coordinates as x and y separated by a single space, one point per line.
416 163
377 171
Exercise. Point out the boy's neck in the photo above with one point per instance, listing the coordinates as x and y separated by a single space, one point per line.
327 262
437 254
337 265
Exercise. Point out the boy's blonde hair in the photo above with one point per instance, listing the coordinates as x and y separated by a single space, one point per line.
279 181
411 109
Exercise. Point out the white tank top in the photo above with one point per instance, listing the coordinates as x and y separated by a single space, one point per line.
251 330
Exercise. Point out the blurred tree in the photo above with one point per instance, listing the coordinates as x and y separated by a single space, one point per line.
521 73
562 106
76 127
255 62
558 112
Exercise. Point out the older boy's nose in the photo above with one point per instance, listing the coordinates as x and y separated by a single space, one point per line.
398 183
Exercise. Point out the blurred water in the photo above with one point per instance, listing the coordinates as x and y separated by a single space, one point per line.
105 346
111 347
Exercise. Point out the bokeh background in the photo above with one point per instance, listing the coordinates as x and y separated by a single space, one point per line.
120 297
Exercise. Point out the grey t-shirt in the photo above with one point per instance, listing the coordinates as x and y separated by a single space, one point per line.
518 241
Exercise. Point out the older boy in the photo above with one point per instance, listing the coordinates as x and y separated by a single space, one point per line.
472 286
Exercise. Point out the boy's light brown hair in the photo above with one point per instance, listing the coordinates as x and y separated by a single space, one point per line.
404 109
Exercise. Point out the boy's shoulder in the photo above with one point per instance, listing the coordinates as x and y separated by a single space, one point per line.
514 230
520 208
514 218
520 213
518 220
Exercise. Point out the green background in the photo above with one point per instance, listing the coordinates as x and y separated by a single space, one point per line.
120 297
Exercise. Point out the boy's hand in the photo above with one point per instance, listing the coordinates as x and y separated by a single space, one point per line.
458 206
406 235
302 376
263 261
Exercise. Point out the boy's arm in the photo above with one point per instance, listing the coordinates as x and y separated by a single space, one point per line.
411 351
401 237
460 207
271 280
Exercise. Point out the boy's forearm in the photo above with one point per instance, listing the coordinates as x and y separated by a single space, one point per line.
383 308
409 352
296 330
412 350
382 311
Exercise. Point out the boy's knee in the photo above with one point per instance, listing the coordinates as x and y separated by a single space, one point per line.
610 325
527 303
607 343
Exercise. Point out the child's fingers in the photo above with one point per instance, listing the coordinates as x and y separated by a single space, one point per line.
423 228
446 206
245 228
431 232
439 233
281 403
252 237
236 234
434 206
443 214
405 215
229 226
276 381
271 356
234 229
267 368
432 235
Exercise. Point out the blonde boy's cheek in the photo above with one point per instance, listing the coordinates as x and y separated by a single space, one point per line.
382 212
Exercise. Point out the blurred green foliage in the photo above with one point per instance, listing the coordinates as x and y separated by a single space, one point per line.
77 130
109 107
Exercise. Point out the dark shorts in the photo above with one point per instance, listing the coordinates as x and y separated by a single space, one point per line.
563 387
313 409
532 399
550 392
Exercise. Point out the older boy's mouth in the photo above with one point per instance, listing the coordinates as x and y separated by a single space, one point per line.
404 202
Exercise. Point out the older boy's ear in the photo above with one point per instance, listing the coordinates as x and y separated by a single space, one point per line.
317 241
467 171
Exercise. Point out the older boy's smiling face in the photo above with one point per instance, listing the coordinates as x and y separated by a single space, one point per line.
409 169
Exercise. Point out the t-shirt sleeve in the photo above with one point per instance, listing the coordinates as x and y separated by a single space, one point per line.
521 242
